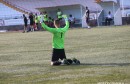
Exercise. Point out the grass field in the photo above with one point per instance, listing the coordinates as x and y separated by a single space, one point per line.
104 53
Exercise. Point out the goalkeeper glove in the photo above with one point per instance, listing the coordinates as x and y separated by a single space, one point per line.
65 17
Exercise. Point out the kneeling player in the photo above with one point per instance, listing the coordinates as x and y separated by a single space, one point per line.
58 40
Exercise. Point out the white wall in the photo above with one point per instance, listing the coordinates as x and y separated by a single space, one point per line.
117 17
73 9
125 12
115 10
109 6
13 22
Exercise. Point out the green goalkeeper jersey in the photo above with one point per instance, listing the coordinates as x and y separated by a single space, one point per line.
58 35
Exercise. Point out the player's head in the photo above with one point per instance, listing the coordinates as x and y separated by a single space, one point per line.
86 8
49 17
70 15
24 15
57 23
59 9
44 12
109 12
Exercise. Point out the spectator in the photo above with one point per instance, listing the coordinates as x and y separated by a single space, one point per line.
108 18
59 14
40 17
50 22
31 17
87 17
71 20
36 21
25 23
45 18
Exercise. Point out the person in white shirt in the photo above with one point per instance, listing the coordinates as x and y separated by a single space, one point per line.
71 20
108 18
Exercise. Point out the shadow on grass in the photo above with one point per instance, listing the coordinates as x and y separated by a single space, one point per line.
105 64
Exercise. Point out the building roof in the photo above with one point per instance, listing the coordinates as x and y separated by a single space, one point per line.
33 4
89 3
109 1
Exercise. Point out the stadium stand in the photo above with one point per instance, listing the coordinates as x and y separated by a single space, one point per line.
9 16
32 5
35 6
8 13
15 6
12 10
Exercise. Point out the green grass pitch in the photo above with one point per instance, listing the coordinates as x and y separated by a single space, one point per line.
104 53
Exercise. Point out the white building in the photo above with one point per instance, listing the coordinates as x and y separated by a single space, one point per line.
74 7
114 7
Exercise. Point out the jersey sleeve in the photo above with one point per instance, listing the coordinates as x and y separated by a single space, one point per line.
52 30
66 27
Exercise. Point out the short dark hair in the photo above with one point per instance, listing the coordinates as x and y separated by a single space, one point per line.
70 15
57 21
58 9
109 12
44 12
86 7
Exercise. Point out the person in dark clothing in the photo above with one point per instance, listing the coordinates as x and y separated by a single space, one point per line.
25 23
36 22
87 17
45 17
50 22
31 17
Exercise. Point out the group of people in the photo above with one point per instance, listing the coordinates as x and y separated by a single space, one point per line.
108 18
36 19
58 53
58 31
54 26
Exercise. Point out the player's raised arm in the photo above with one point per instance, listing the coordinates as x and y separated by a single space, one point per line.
66 23
52 30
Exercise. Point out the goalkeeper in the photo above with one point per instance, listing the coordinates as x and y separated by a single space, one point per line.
58 40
